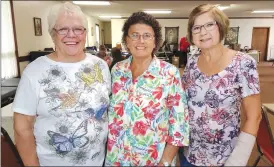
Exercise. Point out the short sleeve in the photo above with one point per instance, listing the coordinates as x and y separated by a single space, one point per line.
184 76
25 101
178 132
106 73
249 77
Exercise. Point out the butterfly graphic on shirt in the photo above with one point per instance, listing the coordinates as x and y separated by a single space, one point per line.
69 99
97 114
64 144
91 77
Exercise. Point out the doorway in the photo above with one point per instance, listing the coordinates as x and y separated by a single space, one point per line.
260 38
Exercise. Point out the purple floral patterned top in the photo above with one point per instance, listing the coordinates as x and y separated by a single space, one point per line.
214 108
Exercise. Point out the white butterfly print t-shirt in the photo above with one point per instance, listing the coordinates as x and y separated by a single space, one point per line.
70 102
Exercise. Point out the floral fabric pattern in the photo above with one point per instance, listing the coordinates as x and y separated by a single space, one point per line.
214 108
145 113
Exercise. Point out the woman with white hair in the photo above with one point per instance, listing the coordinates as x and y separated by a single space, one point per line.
61 101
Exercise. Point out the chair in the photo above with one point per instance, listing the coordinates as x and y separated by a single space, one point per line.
91 48
265 142
49 49
35 54
271 60
272 55
9 154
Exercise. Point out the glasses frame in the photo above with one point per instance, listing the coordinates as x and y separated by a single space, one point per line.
200 27
139 37
72 29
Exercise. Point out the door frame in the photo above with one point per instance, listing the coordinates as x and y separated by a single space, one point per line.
267 41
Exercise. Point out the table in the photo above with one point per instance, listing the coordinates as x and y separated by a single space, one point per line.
166 56
270 107
7 95
270 115
12 82
8 90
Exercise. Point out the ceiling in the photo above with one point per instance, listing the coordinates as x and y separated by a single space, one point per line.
180 9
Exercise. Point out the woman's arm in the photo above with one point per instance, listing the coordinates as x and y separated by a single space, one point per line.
178 132
251 105
170 152
241 153
24 139
252 110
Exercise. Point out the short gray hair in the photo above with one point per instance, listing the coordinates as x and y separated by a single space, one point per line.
63 8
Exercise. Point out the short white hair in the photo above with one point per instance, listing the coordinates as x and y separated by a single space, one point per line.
64 8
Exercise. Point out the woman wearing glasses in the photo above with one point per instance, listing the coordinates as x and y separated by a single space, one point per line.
218 81
67 94
147 118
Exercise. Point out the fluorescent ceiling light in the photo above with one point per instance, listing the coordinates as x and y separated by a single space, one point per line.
91 2
263 11
111 17
158 11
223 7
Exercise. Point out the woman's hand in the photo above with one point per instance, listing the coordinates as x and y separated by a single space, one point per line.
169 154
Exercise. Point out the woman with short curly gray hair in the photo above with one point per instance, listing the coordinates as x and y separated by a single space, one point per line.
67 94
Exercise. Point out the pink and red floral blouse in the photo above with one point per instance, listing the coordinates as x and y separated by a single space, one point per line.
145 114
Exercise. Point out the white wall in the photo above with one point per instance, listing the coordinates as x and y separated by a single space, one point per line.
117 24
24 11
245 33
116 31
181 23
246 28
91 36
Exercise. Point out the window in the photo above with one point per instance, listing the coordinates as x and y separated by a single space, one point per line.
8 58
87 42
97 33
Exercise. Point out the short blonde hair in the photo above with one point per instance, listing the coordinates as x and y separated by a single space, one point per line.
64 8
219 16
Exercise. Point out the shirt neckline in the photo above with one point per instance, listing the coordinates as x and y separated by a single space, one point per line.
220 72
65 63
147 71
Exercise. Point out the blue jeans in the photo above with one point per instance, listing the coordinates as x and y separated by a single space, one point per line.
183 160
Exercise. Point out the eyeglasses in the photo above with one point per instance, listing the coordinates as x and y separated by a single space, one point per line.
65 30
208 27
136 36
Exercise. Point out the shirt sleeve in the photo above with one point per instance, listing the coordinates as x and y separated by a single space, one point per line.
25 101
184 77
178 131
106 72
249 77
